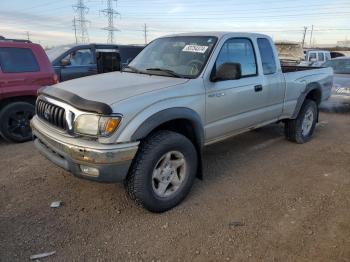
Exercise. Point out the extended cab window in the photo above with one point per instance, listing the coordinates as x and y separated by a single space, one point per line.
267 57
17 60
238 50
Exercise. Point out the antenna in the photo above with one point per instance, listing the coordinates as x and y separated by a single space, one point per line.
81 9
110 13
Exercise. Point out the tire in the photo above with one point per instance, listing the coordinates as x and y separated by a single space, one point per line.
143 182
15 122
294 129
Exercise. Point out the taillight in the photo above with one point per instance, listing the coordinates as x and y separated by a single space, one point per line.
55 79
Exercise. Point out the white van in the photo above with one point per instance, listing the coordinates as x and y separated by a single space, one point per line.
316 58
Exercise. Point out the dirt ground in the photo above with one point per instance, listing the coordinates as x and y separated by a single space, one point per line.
262 199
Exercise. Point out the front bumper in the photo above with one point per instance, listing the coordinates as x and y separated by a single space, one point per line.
83 158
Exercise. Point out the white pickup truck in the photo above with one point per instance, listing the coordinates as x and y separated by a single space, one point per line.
147 126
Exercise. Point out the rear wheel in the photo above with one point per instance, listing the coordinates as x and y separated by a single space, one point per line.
301 129
15 121
163 171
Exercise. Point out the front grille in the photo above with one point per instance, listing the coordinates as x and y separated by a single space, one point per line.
51 113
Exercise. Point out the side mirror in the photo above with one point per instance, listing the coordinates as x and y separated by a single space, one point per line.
227 71
65 62
128 61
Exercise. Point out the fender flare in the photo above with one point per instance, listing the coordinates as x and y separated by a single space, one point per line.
167 115
310 87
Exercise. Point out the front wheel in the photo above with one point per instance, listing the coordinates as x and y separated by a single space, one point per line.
14 121
163 171
301 129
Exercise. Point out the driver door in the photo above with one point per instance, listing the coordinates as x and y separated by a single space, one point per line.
78 63
234 105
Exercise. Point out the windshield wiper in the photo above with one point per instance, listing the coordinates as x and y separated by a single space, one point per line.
133 69
169 72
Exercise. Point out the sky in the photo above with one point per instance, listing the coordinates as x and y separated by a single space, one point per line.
51 22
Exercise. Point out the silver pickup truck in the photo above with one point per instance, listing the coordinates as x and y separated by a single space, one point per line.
147 125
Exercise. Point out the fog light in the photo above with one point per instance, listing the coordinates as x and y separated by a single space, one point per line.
90 171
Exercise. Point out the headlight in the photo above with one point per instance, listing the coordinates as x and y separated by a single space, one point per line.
95 125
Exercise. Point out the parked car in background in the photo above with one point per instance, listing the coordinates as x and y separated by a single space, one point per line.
316 58
341 68
24 68
147 126
74 61
289 53
335 54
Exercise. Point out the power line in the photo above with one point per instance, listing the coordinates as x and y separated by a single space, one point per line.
279 17
278 10
81 9
110 13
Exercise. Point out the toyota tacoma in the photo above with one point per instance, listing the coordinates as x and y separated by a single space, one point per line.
147 126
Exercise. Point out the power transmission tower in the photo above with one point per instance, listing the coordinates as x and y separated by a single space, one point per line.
304 35
145 29
110 13
81 9
312 30
75 30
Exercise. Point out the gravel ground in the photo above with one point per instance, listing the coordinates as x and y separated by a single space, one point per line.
262 199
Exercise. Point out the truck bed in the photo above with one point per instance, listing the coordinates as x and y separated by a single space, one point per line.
297 79
288 69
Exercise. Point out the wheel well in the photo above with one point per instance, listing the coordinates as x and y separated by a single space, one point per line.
187 129
315 95
6 101
182 126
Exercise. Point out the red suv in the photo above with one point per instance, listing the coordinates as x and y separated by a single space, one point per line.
24 68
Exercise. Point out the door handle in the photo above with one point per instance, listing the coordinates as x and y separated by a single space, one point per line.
258 88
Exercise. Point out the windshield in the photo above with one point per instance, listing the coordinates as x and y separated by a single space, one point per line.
55 52
180 56
340 66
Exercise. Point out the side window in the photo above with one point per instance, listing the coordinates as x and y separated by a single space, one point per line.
320 56
18 60
81 57
238 50
312 56
267 56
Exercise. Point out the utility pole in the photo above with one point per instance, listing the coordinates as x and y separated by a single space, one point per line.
145 29
312 30
81 9
75 30
28 35
304 35
110 13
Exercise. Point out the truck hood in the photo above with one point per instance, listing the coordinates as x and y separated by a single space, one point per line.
114 87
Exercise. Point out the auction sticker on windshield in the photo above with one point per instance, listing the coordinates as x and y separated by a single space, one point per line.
195 48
